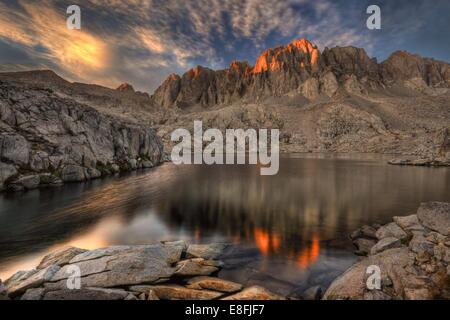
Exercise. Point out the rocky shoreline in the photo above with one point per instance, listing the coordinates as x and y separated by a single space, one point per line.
439 158
163 271
47 139
412 252
420 162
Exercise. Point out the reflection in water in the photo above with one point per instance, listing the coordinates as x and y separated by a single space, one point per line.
262 240
309 255
292 226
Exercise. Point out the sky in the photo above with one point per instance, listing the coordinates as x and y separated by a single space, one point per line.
143 41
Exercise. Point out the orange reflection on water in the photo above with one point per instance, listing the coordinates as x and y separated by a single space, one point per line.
97 237
310 254
262 241
266 241
270 242
275 243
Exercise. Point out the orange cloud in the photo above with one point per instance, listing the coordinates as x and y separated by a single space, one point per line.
262 240
11 29
310 254
150 39
76 51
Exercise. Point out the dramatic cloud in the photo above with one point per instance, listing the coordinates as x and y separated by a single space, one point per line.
44 35
142 41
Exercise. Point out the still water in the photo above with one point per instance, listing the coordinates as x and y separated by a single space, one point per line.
290 230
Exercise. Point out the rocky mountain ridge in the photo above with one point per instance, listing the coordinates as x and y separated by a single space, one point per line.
123 102
299 68
337 100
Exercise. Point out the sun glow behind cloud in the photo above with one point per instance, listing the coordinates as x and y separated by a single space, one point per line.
84 50
42 30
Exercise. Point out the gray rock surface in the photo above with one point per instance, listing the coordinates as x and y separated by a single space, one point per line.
352 284
212 283
435 216
418 271
142 264
367 232
87 294
391 230
43 132
38 278
419 244
409 223
376 295
60 257
384 244
73 173
254 293
14 148
193 267
99 253
176 292
143 272
7 171
28 182
205 251
34 294
363 245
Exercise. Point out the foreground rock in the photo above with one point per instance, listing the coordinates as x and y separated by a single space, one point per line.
254 293
212 283
413 267
176 292
435 216
163 271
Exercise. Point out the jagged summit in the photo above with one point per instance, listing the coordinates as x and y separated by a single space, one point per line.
201 85
125 87
299 68
298 53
